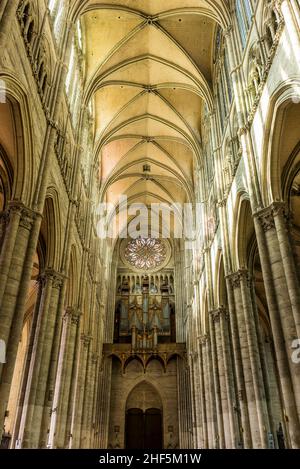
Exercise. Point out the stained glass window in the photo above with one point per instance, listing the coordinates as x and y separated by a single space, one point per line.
145 253
244 19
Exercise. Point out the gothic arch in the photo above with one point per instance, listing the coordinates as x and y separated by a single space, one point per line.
72 283
6 180
146 383
220 293
204 320
20 152
284 107
51 230
242 232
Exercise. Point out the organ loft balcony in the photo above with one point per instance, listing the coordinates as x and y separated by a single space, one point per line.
145 320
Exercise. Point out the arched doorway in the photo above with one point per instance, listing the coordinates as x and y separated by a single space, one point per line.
143 429
144 419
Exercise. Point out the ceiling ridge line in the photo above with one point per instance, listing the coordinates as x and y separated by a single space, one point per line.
117 171
92 87
136 98
193 144
116 175
162 150
179 115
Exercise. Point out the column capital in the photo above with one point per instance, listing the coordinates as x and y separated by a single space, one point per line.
86 340
58 280
76 315
27 215
203 339
95 358
222 202
68 313
235 278
243 130
227 31
50 274
218 313
266 215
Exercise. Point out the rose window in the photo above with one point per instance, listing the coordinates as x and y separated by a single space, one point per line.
145 253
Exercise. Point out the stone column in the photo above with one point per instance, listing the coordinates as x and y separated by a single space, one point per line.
227 437
282 286
292 280
91 410
280 316
87 418
73 386
255 362
197 419
202 397
11 269
31 380
53 413
104 400
54 374
220 439
209 393
68 366
10 222
229 379
80 389
183 440
241 405
40 363
96 406
19 224
244 322
30 353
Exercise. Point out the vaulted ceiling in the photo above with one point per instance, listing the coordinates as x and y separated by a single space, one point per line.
149 72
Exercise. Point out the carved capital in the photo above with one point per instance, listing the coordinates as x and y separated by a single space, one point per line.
76 314
280 209
27 216
86 340
215 315
234 280
94 359
203 339
243 130
68 313
218 313
227 31
57 280
266 216
222 202
45 277
237 277
266 219
51 275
